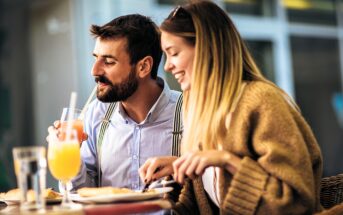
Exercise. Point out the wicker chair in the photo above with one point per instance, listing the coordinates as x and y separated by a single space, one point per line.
331 193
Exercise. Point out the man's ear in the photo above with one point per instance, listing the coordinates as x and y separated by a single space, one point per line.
144 66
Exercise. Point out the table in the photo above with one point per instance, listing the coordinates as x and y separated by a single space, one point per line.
103 209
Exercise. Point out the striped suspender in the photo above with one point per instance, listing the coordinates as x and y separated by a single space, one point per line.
103 128
177 137
178 128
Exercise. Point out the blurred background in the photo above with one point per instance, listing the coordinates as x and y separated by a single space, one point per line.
46 52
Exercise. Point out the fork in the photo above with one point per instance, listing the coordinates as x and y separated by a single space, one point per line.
155 184
146 187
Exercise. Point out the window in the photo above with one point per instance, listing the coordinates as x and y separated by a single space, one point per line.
317 80
250 7
262 51
171 2
321 12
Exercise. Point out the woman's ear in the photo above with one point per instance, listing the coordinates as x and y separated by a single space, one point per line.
144 66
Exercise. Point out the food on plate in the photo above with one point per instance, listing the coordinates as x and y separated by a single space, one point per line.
14 194
98 191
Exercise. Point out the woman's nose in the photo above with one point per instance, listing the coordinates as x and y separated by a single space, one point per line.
168 66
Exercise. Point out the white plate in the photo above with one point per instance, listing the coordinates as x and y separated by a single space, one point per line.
137 196
16 201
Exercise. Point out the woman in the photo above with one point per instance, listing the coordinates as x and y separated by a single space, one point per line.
246 147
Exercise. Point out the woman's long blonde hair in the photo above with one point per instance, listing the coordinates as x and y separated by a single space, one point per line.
221 63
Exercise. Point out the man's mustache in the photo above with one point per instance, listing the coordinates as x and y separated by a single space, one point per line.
102 79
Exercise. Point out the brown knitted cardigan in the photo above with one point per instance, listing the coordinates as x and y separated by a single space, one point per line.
281 163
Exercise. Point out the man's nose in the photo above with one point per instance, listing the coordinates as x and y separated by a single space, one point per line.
97 68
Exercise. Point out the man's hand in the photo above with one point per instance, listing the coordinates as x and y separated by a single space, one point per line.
157 167
55 132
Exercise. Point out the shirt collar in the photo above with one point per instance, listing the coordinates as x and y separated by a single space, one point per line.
155 110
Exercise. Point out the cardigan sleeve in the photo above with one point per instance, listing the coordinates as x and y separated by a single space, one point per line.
281 174
186 203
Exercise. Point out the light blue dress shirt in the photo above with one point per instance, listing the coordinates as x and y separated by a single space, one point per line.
126 144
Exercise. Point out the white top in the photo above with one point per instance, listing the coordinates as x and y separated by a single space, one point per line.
211 186
211 183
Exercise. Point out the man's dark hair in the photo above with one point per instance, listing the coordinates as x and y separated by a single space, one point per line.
142 36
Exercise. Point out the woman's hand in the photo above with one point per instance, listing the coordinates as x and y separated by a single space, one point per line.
157 167
194 163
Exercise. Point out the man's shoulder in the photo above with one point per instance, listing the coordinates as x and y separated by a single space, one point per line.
174 95
97 106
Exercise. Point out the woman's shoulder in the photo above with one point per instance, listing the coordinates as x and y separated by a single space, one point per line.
262 90
259 94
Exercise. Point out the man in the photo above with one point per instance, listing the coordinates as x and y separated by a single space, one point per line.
127 54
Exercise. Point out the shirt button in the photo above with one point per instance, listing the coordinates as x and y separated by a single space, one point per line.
134 186
135 157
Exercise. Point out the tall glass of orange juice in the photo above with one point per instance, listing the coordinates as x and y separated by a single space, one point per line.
64 157
64 162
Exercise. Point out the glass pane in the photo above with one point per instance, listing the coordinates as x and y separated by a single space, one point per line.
311 11
317 80
250 7
171 2
262 52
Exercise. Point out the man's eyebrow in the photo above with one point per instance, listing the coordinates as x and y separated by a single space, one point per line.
105 56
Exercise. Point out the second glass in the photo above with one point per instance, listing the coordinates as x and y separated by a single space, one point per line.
30 169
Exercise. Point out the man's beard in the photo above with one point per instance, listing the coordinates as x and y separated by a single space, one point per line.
117 92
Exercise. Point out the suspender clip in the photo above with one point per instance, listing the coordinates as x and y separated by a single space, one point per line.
106 120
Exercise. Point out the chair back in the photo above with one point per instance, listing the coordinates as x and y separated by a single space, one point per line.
331 192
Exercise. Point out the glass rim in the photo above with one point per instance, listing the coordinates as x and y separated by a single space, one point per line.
28 148
28 151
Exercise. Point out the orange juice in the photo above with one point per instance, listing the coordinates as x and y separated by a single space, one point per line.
64 159
77 125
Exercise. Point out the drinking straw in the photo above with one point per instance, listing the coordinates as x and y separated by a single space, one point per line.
72 103
82 114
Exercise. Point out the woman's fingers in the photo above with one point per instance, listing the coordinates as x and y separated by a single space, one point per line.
202 165
181 170
195 163
190 171
176 165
